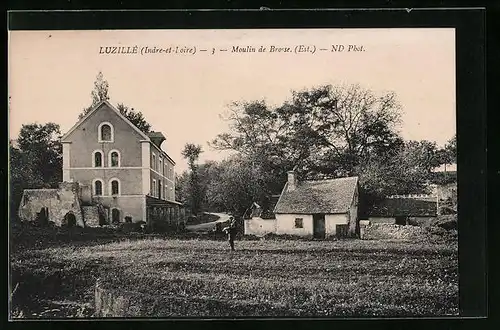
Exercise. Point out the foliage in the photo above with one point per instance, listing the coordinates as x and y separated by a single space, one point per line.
194 196
327 129
99 93
135 117
36 161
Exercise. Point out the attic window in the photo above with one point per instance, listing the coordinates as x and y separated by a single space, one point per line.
105 132
299 223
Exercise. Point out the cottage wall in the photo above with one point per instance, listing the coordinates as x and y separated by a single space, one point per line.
258 226
331 222
285 224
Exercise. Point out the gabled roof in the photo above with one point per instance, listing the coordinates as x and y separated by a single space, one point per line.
393 207
330 196
94 109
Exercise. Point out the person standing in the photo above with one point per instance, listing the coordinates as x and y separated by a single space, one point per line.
231 232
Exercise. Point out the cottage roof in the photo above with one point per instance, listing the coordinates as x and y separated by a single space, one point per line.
331 196
411 207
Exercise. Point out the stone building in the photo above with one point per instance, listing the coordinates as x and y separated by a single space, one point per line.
312 208
128 176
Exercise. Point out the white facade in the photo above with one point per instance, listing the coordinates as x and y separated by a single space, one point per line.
259 226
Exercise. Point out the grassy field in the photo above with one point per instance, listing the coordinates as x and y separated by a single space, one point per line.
56 276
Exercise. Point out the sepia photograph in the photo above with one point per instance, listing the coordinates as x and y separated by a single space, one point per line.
243 173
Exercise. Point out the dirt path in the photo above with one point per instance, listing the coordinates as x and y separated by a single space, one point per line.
223 217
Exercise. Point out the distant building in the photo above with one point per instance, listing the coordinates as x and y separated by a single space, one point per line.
404 210
129 177
319 209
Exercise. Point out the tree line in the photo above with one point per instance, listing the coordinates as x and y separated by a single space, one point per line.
323 132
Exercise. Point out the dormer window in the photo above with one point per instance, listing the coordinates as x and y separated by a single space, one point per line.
105 132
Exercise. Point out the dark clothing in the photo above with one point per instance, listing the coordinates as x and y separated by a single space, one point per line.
231 234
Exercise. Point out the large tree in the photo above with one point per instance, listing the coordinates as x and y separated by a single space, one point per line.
41 145
35 160
326 130
192 152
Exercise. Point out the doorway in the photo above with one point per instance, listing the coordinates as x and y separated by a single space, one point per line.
319 226
401 220
115 216
70 219
43 216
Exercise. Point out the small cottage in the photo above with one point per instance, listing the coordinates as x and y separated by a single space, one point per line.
260 220
312 208
404 211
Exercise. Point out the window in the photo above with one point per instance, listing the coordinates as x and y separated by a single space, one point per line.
153 165
114 186
154 188
299 223
165 169
160 188
114 158
97 187
161 165
97 158
105 132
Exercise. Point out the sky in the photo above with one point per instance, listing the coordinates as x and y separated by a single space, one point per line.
51 76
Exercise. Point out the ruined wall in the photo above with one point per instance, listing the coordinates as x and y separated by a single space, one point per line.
390 231
421 221
91 215
59 203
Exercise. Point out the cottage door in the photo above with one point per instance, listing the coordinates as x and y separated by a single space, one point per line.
319 225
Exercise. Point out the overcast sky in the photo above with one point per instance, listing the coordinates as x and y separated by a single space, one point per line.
51 75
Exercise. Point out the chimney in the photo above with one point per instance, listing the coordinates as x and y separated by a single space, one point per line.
292 180
157 138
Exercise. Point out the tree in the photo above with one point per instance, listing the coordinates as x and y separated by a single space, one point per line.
405 172
99 93
36 161
40 144
192 152
236 183
135 117
324 131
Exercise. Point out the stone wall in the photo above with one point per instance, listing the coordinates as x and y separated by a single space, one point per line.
391 231
91 216
58 202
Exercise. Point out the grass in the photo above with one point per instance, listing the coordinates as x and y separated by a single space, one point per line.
262 278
